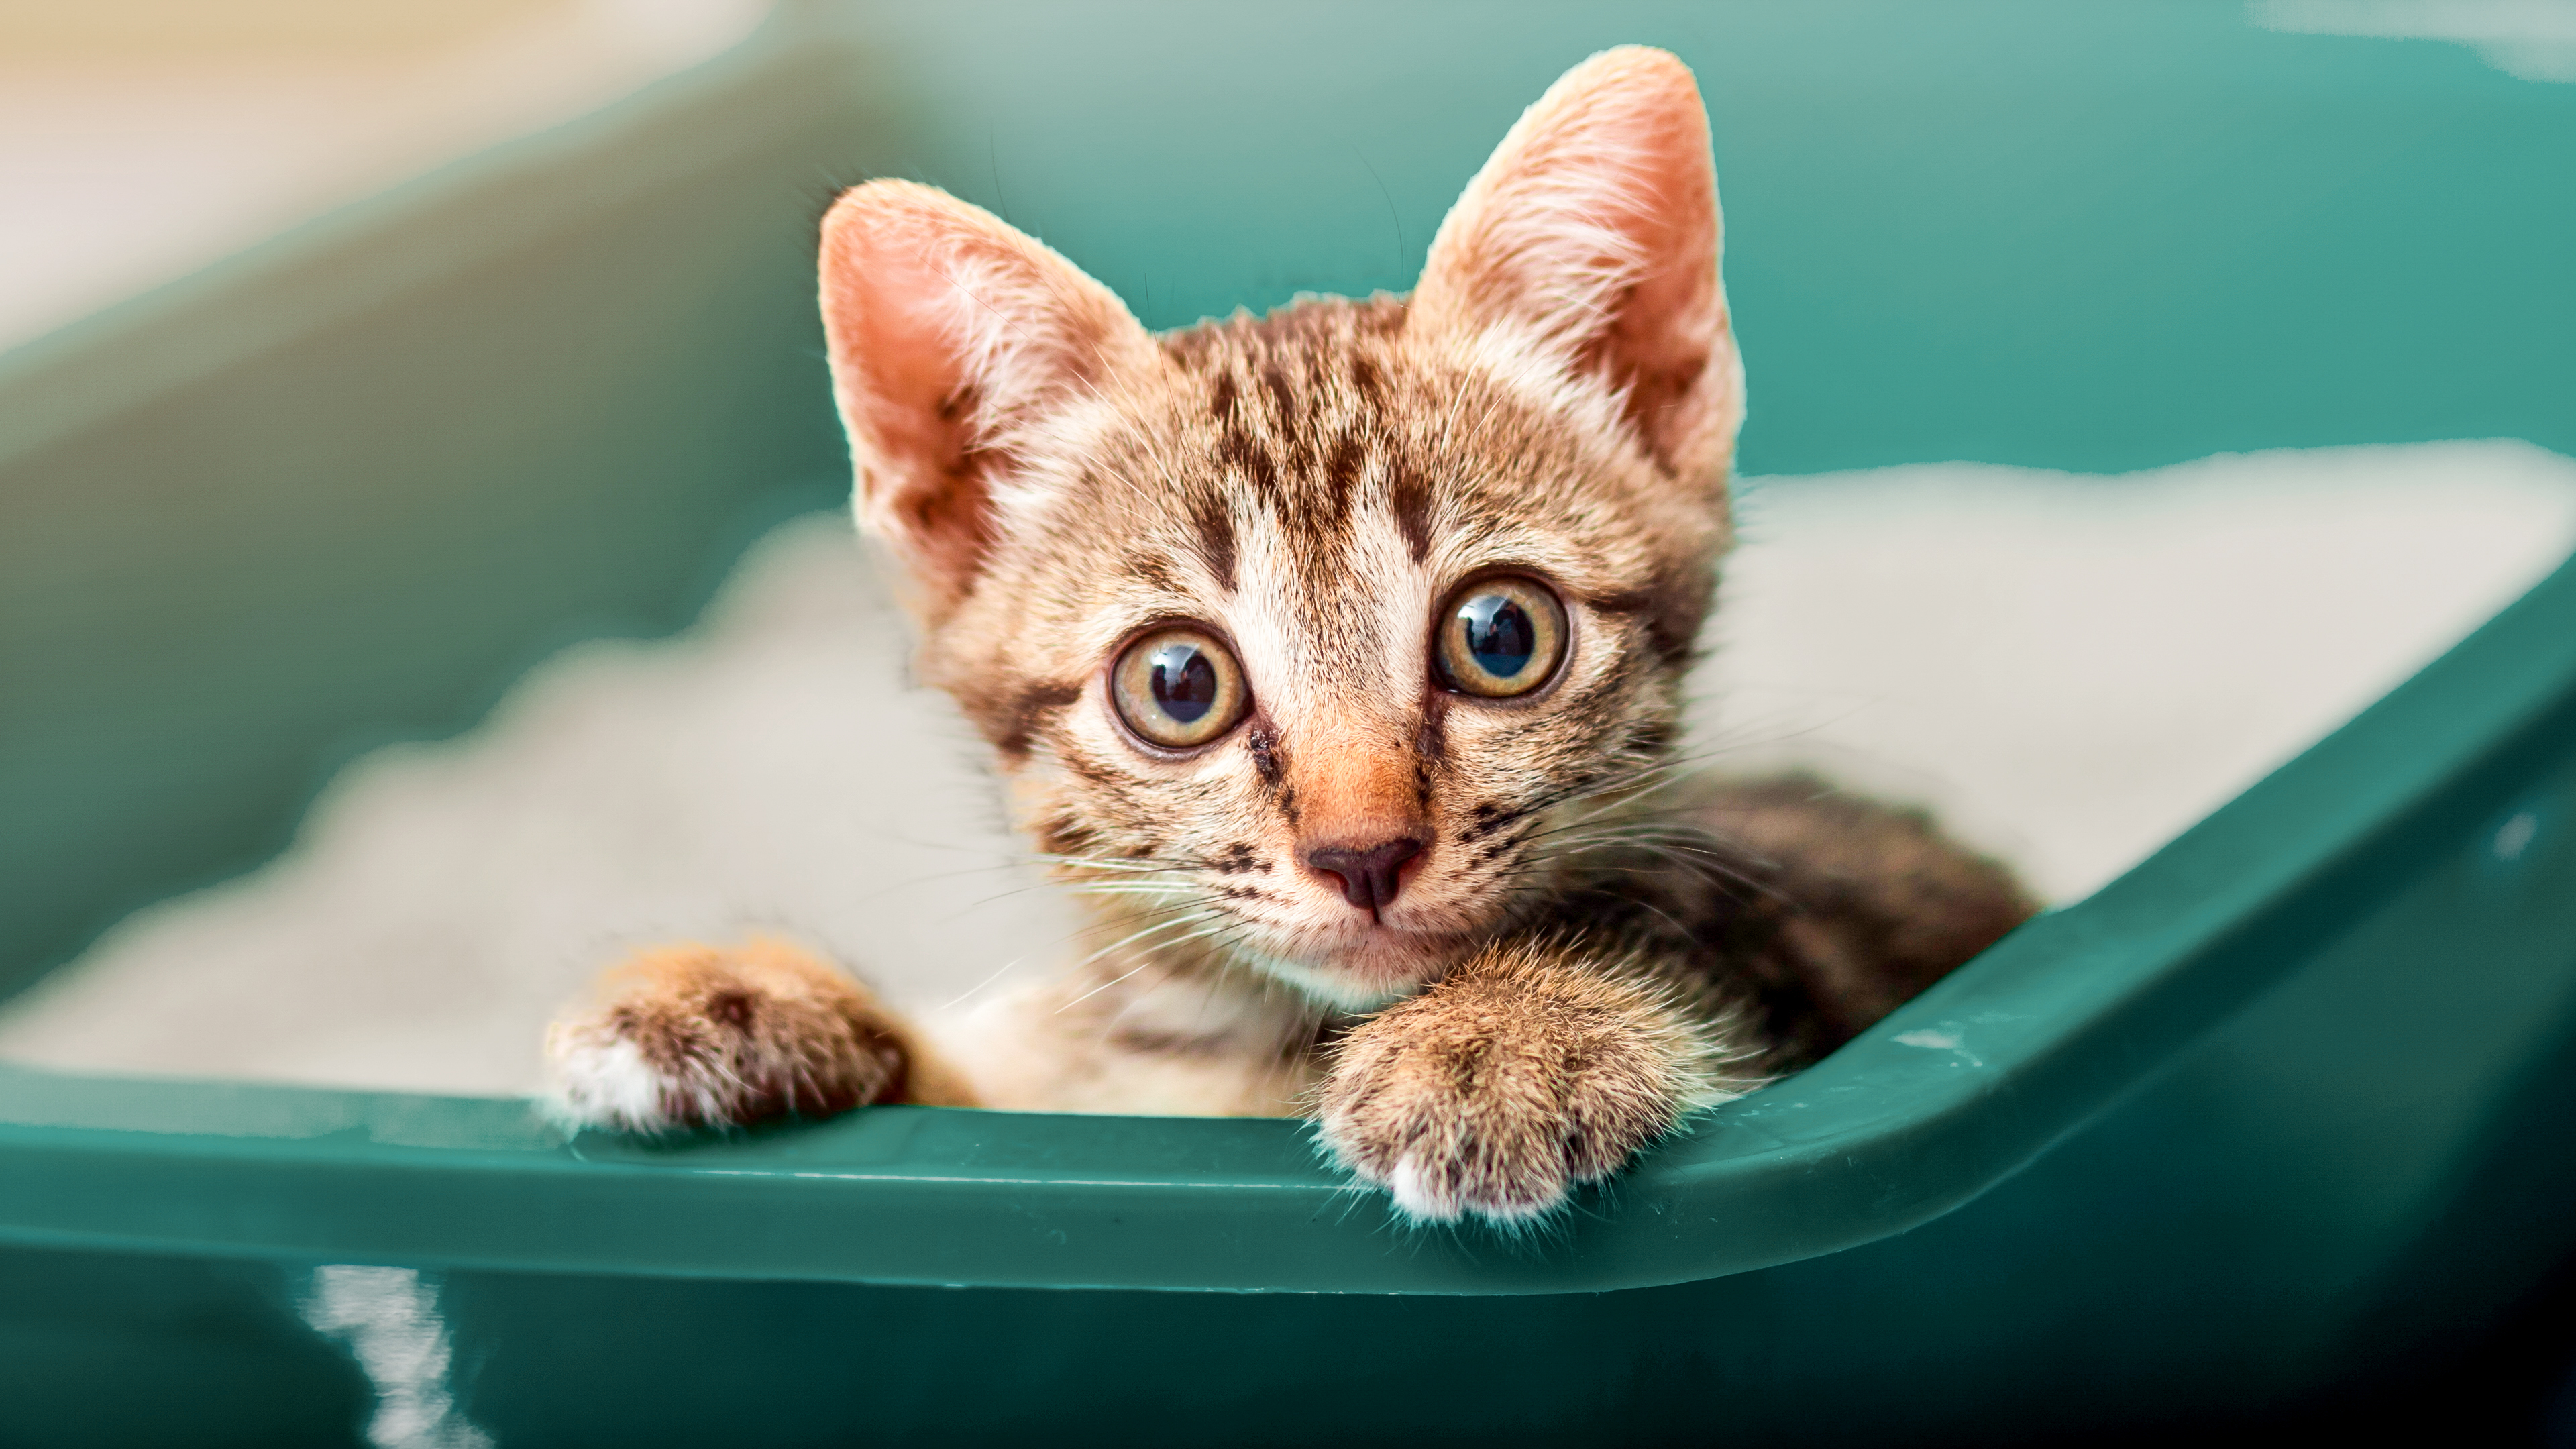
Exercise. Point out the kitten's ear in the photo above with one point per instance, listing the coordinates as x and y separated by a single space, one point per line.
1591 237
955 342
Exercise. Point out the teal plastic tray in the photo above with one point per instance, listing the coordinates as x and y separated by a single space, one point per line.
2289 1108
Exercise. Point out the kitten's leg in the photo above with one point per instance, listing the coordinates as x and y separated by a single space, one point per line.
1180 1039
1855 906
689 1035
1528 1070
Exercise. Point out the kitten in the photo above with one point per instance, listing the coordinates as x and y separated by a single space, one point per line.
1337 655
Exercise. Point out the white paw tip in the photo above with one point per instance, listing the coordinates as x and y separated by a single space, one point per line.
606 1084
1416 1197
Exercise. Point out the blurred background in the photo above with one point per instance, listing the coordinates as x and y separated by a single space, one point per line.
141 139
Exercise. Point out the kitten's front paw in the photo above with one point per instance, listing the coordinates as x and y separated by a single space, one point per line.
1499 1090
691 1035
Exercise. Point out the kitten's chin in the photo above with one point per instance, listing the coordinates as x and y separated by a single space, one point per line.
1366 969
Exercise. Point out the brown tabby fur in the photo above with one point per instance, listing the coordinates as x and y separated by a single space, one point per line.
1594 941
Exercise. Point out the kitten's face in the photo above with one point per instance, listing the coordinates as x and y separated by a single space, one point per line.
1293 631
1311 503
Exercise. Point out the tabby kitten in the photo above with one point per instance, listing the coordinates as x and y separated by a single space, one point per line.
1337 655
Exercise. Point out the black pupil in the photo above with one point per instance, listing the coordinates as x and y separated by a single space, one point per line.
1499 634
1184 682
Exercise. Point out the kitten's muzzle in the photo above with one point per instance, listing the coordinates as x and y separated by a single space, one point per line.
1369 877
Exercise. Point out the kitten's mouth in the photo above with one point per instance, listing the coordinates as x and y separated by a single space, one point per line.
1358 950
1364 959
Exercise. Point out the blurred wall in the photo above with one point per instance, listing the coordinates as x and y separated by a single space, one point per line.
140 139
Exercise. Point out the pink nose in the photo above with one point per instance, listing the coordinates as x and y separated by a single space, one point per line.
1369 878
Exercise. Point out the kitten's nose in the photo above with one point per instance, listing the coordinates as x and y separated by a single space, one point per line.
1371 877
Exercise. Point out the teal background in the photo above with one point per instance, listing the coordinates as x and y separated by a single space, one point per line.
2283 1112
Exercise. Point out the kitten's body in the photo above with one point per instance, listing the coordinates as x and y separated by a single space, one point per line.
1800 913
1478 924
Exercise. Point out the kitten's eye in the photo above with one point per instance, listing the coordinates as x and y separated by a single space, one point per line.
1178 688
1500 637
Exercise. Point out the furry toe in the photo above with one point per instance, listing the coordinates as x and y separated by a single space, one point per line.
689 1035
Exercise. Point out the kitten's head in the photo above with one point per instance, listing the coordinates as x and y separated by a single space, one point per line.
1307 623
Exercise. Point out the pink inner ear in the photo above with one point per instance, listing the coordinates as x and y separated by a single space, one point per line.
903 392
1595 228
951 337
1666 329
